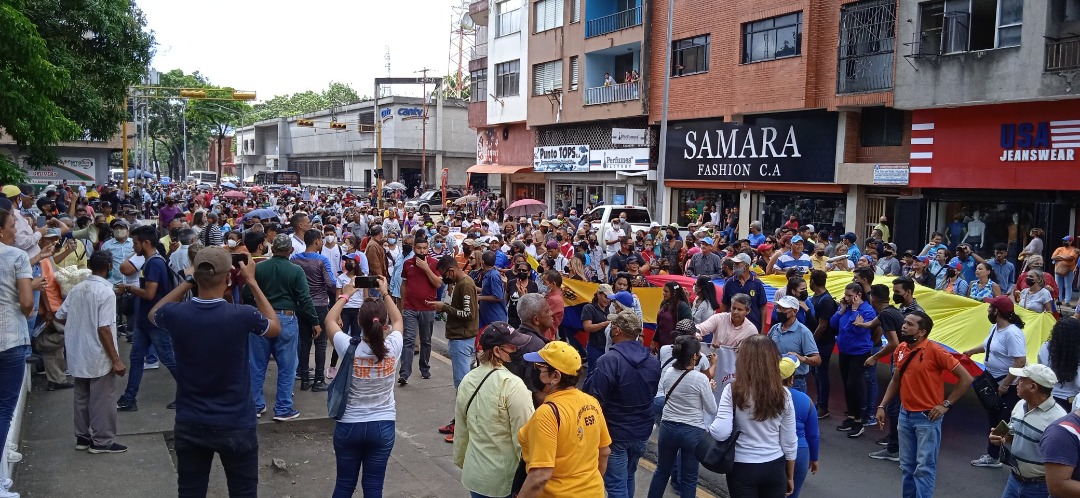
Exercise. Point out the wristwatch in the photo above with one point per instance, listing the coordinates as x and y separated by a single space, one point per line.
189 279
946 404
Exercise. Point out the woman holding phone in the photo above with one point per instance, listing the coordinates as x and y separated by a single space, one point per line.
855 346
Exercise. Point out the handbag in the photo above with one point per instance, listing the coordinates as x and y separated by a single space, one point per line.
338 393
719 456
985 385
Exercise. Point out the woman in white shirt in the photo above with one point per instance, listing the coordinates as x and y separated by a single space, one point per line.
758 405
1036 297
689 395
705 302
365 433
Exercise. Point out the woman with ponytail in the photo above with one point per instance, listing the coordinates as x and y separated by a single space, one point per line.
365 434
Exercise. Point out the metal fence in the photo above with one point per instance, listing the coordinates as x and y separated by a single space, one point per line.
612 23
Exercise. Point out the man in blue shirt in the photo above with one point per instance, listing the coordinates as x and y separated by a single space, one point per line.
743 281
755 236
935 243
492 293
792 337
215 412
794 258
966 260
853 252
1004 270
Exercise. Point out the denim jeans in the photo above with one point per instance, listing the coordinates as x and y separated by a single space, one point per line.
622 468
675 436
141 339
461 355
920 440
1064 283
416 323
12 371
195 448
362 446
871 381
283 347
31 323
1016 489
593 354
307 338
802 467
821 374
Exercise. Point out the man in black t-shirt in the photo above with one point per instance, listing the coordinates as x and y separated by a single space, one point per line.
214 408
824 335
888 322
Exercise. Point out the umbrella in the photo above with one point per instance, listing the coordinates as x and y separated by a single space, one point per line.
526 207
234 194
257 189
263 214
140 173
465 200
228 185
394 186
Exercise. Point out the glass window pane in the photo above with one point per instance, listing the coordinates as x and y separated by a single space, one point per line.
760 45
785 42
1009 37
1012 11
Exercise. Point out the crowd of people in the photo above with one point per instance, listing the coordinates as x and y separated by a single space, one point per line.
213 286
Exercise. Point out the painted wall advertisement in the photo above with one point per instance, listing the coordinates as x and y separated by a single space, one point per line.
76 170
561 159
783 147
619 160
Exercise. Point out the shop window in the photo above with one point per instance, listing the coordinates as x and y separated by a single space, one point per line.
953 26
547 77
478 85
548 14
690 56
774 38
506 78
692 203
881 126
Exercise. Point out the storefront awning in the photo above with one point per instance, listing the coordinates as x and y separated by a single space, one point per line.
499 169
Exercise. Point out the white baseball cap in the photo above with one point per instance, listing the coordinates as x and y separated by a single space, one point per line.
1041 374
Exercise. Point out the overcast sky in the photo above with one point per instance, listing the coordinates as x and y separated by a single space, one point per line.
278 48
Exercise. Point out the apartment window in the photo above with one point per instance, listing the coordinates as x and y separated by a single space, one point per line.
1009 22
507 19
478 86
773 38
881 127
506 78
548 14
547 77
867 46
953 26
690 56
575 10
573 72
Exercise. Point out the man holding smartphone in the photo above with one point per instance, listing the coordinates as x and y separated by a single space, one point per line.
420 282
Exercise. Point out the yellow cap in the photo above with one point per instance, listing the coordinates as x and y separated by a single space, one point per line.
560 355
11 191
788 364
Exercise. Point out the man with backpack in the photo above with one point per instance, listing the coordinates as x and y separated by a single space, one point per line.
156 280
624 382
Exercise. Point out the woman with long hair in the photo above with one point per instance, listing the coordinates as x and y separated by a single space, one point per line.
758 405
673 308
985 284
1064 261
705 303
1062 354
689 394
351 310
17 285
855 345
364 436
1036 297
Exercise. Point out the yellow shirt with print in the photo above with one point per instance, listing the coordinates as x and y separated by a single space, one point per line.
571 446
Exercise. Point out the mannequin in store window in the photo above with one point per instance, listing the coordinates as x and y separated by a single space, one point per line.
975 232
1014 236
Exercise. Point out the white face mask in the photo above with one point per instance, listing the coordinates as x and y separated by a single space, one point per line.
330 239
120 233
231 243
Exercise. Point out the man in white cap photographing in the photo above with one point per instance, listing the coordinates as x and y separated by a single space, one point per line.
1035 411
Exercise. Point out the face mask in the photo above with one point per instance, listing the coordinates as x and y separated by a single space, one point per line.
330 239
897 298
448 280
1029 281
522 275
559 238
174 234
803 295
438 245
573 218
120 233
992 316
740 271
476 234
908 339
391 241
231 243
406 248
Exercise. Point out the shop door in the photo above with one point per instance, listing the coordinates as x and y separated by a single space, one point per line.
1054 216
875 209
909 224
624 64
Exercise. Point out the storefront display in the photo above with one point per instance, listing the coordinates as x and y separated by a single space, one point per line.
822 211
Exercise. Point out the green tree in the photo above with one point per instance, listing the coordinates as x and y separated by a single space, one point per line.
221 118
282 106
166 123
64 72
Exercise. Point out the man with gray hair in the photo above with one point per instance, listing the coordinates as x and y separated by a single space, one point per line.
179 260
743 281
731 327
535 314
755 236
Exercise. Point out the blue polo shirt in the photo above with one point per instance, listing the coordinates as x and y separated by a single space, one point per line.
1005 272
756 239
753 288
967 271
797 339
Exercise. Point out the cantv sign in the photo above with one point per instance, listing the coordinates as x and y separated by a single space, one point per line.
404 113
788 147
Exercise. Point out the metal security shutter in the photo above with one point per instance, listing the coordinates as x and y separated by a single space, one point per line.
540 78
575 10
549 14
547 77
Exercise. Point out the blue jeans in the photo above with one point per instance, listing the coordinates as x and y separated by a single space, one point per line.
237 448
461 355
675 436
417 323
141 339
593 354
1016 489
31 323
802 467
283 347
871 380
920 440
12 371
622 467
362 446
1064 283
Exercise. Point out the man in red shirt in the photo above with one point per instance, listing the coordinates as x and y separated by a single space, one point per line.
420 280
917 379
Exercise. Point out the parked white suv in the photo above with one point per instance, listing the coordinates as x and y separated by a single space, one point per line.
637 217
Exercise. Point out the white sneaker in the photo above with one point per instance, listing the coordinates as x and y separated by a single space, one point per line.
5 489
152 366
986 461
13 456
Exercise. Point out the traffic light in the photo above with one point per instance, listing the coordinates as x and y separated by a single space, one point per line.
243 95
305 122
334 125
193 94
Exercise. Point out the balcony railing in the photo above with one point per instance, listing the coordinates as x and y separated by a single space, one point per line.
621 92
479 51
1063 54
614 22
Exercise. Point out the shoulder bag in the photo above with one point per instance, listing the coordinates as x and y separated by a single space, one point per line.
985 385
338 393
719 456
522 471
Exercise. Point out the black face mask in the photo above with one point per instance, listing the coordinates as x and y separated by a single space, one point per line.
448 280
908 339
1029 281
522 275
559 238
897 298
406 249
174 234
803 295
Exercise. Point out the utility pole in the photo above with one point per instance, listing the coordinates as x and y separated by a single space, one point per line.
662 163
423 132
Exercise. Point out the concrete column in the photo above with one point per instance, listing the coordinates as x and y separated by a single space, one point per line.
853 212
395 174
746 213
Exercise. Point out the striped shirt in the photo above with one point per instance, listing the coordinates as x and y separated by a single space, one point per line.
787 260
14 265
1026 427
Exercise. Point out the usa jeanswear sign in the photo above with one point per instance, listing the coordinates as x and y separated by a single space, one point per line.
792 147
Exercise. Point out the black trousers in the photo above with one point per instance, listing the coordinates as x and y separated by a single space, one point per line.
758 480
306 339
1004 412
195 448
851 372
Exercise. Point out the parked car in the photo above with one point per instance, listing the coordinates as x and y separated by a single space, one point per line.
432 200
638 217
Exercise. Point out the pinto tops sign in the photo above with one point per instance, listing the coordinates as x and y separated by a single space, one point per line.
789 147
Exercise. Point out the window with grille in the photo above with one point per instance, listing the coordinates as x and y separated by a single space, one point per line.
867 46
573 72
548 14
547 77
506 78
329 168
773 38
478 85
690 55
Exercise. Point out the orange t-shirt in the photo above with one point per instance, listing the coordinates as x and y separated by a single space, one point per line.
921 386
53 295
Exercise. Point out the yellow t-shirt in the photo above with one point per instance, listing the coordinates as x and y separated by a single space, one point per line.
570 446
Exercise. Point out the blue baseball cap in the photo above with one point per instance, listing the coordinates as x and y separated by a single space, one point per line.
797 238
708 240
623 297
